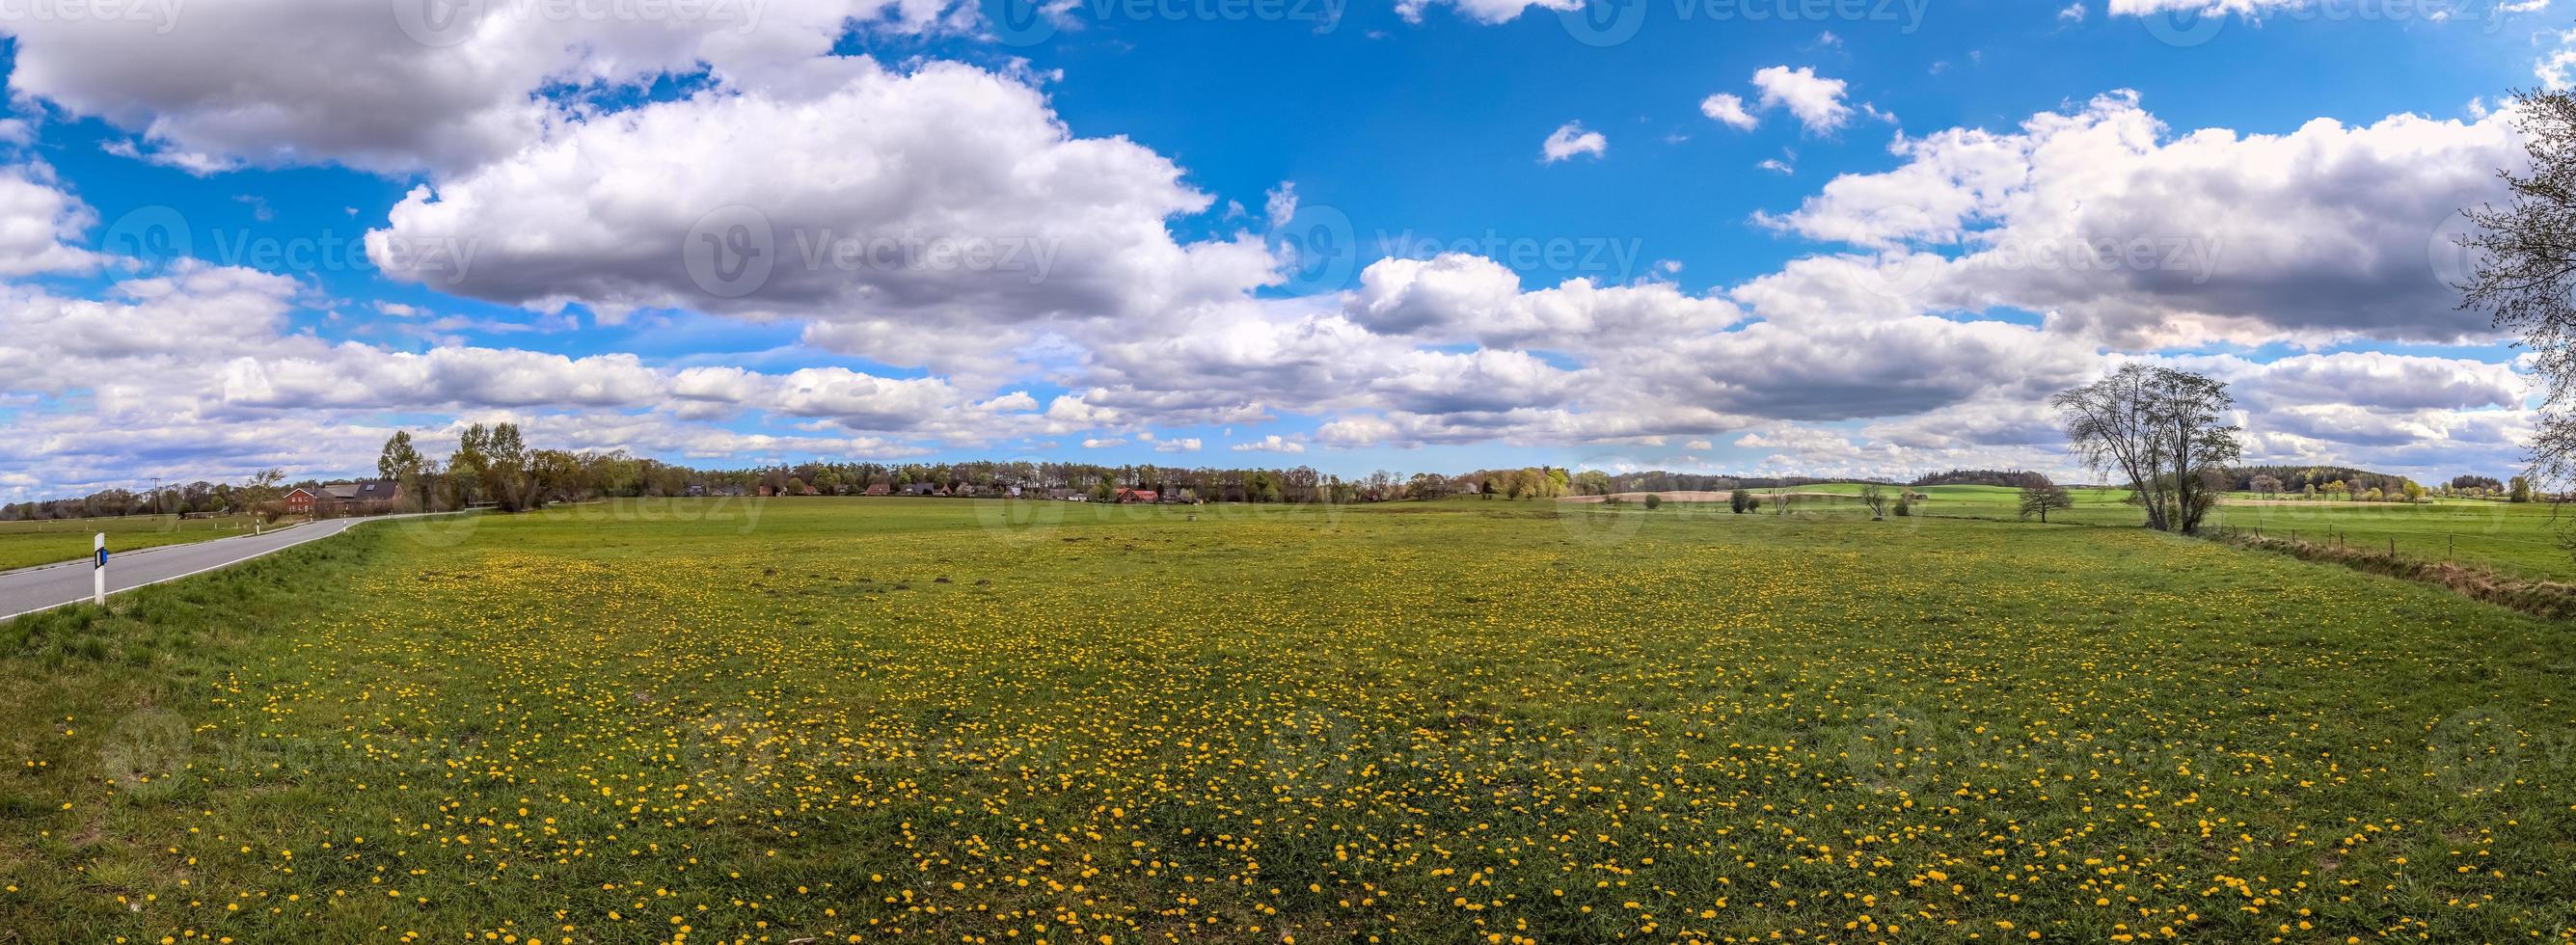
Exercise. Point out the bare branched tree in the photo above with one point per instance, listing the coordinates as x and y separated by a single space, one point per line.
2525 268
2161 429
1875 499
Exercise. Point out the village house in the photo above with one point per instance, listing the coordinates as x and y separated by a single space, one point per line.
344 498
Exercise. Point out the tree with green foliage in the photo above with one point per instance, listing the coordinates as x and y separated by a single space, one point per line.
1427 486
260 495
2521 487
2040 498
467 466
1741 501
1654 500
400 461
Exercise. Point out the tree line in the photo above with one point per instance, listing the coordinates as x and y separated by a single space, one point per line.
2155 427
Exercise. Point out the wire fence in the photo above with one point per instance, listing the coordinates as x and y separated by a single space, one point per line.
2512 555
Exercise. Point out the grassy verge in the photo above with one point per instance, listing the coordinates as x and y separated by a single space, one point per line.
26 544
2549 599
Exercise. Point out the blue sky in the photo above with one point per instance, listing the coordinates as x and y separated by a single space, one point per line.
1851 237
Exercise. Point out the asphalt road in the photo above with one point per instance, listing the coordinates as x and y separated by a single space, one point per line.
54 585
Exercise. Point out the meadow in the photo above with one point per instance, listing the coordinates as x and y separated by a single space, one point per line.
862 720
28 543
2516 540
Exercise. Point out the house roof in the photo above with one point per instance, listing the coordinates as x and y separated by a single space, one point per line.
370 490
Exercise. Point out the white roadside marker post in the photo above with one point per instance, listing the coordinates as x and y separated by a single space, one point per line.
98 572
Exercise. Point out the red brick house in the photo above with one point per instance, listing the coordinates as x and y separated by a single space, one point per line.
345 498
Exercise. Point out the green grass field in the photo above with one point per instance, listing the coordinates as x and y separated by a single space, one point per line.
2092 506
29 543
2515 540
1464 721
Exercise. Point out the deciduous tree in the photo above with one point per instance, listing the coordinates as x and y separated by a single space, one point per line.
2161 429
1876 499
2042 497
2523 269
